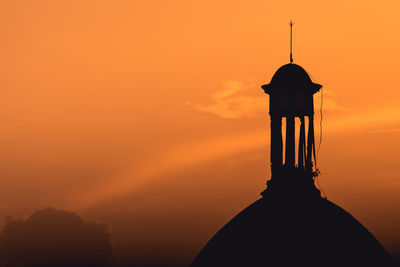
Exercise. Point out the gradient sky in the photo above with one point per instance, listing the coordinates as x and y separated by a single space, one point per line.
149 116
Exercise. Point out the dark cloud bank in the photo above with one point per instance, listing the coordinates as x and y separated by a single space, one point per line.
52 237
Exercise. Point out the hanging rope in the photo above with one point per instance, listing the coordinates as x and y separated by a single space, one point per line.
320 121
320 140
320 124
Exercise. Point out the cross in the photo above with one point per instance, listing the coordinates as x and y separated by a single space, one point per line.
291 28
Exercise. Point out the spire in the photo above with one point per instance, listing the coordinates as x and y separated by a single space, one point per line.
291 28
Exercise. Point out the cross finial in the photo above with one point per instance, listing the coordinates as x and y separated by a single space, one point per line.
291 28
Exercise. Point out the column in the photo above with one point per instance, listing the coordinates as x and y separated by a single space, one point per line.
290 142
276 142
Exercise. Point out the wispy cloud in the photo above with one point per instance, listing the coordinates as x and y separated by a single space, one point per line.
377 120
386 130
329 101
235 101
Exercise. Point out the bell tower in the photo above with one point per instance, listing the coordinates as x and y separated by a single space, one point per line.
292 225
291 100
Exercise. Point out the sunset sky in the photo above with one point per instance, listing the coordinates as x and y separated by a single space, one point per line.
149 116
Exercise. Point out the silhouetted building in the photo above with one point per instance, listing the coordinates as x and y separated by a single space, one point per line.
291 97
292 225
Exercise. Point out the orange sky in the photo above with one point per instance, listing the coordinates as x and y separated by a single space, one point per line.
135 108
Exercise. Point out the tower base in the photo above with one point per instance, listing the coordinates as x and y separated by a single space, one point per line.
293 181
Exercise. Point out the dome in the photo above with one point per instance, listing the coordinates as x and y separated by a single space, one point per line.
291 77
278 231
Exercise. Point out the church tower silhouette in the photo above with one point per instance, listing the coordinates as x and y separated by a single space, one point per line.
292 225
291 97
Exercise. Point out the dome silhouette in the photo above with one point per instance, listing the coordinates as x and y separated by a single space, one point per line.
291 77
288 231
292 225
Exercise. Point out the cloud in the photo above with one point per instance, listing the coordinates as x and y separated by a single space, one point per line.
51 237
386 130
235 101
230 102
376 120
329 101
